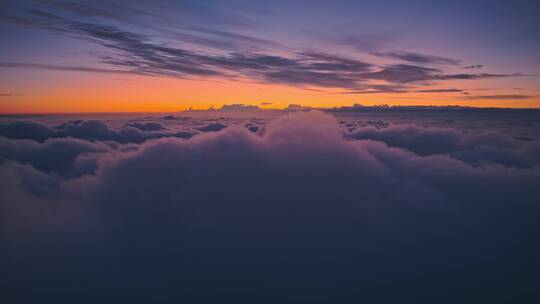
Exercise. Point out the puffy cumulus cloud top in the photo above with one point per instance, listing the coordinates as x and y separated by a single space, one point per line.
297 210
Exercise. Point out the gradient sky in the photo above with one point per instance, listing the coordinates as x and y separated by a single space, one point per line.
102 56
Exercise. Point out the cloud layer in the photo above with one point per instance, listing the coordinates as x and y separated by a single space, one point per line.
475 149
297 212
91 130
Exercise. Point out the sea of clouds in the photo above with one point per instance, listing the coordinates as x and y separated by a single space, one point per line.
292 207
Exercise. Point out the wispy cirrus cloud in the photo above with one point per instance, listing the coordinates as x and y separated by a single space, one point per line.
380 89
419 58
501 97
440 91
126 51
24 65
477 66
404 73
475 76
10 95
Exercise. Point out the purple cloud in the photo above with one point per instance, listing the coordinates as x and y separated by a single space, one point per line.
298 200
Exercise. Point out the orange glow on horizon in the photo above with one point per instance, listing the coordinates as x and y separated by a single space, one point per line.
82 92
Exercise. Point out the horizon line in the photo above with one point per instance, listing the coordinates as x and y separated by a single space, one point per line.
354 107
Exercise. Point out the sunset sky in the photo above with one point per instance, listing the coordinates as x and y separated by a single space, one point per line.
336 151
102 56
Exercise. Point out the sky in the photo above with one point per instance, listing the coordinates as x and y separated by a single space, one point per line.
145 56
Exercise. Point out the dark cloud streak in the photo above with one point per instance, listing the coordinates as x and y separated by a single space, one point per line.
139 54
439 91
24 65
419 58
501 97
477 66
